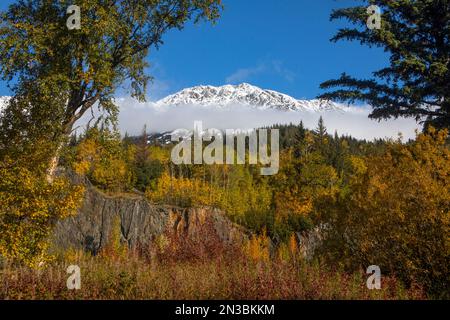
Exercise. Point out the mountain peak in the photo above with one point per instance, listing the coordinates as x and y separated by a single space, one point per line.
244 94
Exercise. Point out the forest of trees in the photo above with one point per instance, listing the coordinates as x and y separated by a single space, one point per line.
383 202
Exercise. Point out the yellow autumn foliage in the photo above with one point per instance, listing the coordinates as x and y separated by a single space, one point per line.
258 247
299 183
29 208
115 249
184 192
394 213
101 157
288 251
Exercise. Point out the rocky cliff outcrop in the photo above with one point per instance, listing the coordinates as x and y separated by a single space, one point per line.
140 222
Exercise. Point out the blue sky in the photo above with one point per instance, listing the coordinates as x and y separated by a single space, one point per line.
281 45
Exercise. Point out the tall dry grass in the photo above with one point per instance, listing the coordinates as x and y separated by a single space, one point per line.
195 267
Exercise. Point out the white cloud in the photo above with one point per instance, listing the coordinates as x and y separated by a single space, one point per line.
275 67
354 121
287 74
244 74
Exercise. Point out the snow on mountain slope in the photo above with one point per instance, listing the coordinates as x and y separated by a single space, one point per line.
243 94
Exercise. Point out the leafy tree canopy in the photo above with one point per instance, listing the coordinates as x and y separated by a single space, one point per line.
415 34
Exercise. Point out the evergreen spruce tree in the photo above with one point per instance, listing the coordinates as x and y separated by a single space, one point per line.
321 130
299 139
416 83
142 152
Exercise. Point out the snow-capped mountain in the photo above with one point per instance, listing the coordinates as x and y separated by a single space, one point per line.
249 107
244 94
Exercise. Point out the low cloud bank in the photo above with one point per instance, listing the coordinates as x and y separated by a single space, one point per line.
353 121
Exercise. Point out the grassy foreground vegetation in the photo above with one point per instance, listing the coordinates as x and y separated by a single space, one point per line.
195 269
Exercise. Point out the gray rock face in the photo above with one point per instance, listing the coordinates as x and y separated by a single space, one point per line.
140 222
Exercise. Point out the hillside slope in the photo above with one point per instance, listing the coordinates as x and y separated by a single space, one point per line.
140 222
